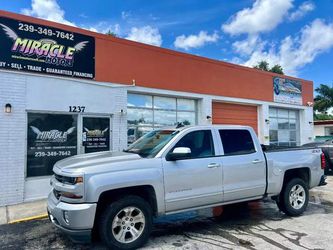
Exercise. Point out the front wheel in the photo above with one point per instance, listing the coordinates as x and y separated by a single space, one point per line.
126 223
294 197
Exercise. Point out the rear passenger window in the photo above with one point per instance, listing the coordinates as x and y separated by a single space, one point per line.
236 141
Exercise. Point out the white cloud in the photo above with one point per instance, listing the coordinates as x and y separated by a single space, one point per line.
195 41
145 34
248 45
293 53
104 27
125 14
263 16
47 9
302 10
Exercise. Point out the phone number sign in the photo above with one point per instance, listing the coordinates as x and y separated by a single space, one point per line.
46 50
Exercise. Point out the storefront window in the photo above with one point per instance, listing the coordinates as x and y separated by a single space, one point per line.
142 101
140 117
164 118
145 113
51 137
164 103
283 127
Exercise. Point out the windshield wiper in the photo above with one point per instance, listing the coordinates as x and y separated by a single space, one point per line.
138 152
131 151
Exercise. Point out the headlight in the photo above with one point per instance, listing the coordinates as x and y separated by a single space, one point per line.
68 180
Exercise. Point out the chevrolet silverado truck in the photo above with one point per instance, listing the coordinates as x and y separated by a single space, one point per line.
172 170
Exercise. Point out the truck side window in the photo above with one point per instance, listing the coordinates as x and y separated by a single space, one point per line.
200 142
236 141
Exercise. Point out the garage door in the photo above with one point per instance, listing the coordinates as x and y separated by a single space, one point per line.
235 114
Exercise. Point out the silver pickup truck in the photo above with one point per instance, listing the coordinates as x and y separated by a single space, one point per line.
117 194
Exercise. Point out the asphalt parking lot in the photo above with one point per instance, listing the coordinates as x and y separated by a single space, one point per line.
256 225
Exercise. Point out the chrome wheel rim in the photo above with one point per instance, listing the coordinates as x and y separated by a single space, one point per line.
128 224
297 196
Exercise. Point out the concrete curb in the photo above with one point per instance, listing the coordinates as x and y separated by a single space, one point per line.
23 212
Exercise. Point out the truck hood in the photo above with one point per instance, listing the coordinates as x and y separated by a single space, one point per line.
80 163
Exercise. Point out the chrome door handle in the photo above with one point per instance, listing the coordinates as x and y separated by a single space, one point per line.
214 165
256 161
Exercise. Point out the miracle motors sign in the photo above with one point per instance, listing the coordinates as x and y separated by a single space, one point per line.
41 49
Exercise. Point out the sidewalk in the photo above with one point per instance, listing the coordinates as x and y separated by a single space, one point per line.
23 212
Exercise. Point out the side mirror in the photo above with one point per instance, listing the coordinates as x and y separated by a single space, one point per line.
179 153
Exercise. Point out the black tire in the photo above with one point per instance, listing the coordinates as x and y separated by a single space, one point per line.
327 170
110 213
280 205
327 166
284 203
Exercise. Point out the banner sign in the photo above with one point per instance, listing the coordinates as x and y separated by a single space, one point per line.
287 91
51 137
96 134
46 50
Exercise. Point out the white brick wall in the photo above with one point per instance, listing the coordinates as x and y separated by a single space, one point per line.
12 138
39 93
119 120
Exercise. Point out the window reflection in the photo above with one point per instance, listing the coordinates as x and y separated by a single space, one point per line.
145 113
187 118
186 104
137 100
164 118
283 127
164 102
139 116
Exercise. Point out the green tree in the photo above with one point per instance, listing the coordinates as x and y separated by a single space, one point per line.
277 69
324 98
264 65
318 117
110 33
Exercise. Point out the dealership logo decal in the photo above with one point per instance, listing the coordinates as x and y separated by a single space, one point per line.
96 132
50 50
52 135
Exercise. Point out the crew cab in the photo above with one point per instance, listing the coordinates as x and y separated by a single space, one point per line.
171 170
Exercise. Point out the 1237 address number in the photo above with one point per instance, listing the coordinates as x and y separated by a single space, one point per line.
77 109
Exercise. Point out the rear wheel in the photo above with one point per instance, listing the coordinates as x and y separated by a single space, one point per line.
126 223
294 197
327 166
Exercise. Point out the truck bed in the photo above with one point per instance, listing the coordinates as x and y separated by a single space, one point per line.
279 160
269 148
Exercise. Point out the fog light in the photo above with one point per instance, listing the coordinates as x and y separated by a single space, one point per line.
66 217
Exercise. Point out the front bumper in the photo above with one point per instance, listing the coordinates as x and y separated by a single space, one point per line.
80 218
323 180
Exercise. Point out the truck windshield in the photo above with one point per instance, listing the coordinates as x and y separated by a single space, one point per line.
150 144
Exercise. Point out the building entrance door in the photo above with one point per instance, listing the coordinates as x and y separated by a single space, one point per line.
95 134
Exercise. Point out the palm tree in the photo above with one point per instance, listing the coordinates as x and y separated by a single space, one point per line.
324 98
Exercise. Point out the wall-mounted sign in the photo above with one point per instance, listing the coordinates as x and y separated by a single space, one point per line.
51 137
287 91
42 49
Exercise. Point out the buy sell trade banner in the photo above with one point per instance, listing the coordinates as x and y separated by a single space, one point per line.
46 50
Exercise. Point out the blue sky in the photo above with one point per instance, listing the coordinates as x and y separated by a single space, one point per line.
297 34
